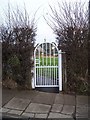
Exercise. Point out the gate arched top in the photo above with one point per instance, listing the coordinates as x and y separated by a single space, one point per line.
46 43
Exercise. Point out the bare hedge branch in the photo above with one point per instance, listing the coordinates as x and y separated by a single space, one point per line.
69 21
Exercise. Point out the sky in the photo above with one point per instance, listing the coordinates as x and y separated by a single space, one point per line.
42 8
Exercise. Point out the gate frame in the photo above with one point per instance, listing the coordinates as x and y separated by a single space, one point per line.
59 66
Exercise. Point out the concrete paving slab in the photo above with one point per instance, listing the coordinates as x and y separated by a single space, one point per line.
82 111
0 110
0 116
0 95
40 104
10 116
81 100
44 98
69 99
27 94
58 115
59 99
16 112
38 108
17 103
1 104
89 112
86 105
88 101
29 115
41 115
68 109
82 116
7 95
4 110
57 108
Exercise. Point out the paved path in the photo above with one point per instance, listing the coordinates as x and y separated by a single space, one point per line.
35 104
42 80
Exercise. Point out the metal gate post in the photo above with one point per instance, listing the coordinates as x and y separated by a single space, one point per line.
32 71
60 69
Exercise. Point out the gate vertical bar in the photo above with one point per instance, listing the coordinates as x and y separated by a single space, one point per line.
56 76
39 67
33 71
46 68
50 60
35 67
60 69
54 65
41 63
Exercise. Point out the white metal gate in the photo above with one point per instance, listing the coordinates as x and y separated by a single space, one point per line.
46 65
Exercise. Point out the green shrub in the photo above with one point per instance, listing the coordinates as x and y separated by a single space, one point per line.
14 61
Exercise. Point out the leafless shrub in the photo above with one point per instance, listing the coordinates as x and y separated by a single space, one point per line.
18 38
69 21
